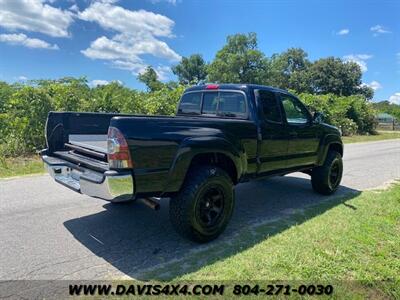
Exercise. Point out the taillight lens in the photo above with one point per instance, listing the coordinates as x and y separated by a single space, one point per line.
118 153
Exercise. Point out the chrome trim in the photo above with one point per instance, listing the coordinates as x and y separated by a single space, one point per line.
114 187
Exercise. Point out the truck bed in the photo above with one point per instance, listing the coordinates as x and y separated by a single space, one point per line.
96 142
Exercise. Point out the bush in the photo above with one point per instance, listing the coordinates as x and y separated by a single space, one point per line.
24 121
347 126
24 108
161 102
353 114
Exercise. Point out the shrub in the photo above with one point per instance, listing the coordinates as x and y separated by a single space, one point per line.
25 120
24 108
353 114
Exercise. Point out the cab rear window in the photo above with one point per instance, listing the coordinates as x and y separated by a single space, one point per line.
210 103
218 103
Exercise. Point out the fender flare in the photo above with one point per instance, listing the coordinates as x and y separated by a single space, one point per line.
191 147
328 141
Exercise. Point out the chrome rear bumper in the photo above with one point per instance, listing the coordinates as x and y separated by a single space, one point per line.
111 185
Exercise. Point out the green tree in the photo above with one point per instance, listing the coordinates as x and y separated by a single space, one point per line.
67 94
191 69
239 61
366 91
161 102
289 70
6 90
112 97
350 113
150 78
387 107
25 118
333 75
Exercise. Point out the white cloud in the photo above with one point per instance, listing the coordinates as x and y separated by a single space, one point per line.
395 98
173 2
343 31
23 40
36 16
98 82
74 8
138 34
106 1
379 29
359 59
163 72
375 85
127 21
22 78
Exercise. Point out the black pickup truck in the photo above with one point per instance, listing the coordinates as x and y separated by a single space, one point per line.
221 135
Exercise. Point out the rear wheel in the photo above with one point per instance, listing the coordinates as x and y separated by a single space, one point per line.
326 178
202 209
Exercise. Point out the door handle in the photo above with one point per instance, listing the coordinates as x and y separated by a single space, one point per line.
293 134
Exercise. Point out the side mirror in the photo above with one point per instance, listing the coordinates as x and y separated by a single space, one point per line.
318 117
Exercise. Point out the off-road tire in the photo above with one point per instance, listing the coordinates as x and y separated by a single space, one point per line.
322 179
187 207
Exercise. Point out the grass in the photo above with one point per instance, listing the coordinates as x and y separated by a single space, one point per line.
353 244
18 166
382 135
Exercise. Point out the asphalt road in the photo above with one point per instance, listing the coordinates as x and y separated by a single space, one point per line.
50 232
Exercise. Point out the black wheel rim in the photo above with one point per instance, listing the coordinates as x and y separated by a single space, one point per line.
334 175
210 207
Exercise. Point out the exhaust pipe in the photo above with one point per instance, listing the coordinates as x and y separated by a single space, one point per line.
151 202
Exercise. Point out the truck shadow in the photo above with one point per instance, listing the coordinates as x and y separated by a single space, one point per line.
142 244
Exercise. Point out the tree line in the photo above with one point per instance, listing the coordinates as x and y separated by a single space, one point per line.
329 85
387 107
241 61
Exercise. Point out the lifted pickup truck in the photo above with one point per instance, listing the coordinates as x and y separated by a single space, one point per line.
221 135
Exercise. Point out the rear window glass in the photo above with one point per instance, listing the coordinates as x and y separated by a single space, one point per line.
190 103
210 102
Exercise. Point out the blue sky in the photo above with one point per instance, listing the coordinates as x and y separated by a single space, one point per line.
109 40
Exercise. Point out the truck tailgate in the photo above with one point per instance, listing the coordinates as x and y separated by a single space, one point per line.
76 156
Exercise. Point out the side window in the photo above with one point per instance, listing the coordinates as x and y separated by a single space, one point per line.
270 106
190 103
295 112
210 102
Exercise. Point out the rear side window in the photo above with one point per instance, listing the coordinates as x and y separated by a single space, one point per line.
270 106
231 103
190 103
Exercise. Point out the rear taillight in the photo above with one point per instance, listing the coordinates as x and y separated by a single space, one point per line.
118 153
